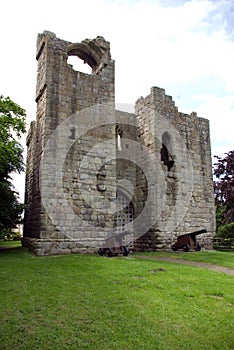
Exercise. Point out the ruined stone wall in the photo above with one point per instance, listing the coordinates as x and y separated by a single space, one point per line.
60 93
82 153
32 195
186 176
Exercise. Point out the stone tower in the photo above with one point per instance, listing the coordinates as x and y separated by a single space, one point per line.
94 172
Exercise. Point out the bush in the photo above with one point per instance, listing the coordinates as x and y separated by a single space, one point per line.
16 236
224 239
226 231
5 234
8 235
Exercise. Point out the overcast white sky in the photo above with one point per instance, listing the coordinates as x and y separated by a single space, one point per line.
185 47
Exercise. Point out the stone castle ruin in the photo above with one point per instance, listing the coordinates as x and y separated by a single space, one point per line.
94 172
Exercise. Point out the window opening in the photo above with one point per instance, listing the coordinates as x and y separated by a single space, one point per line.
119 143
118 135
79 65
166 156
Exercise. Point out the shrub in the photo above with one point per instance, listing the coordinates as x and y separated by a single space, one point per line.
224 239
16 236
226 231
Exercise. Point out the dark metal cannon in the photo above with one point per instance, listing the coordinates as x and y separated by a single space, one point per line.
114 246
188 241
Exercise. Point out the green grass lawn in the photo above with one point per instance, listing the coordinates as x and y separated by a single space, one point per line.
91 302
225 259
10 244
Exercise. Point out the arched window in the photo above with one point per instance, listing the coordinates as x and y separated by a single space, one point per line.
166 151
89 52
79 65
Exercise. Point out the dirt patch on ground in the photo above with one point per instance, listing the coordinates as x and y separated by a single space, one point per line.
211 267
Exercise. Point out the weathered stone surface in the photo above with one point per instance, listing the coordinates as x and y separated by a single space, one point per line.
170 188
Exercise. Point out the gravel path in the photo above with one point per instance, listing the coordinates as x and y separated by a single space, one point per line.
211 267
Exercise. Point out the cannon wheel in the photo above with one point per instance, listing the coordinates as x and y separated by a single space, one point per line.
126 251
101 251
198 247
186 248
109 252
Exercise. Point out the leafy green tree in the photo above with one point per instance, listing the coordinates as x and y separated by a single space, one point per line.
224 187
12 126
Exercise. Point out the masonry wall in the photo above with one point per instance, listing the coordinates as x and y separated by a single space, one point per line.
159 158
61 92
187 182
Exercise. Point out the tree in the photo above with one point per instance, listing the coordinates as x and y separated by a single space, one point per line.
224 187
12 126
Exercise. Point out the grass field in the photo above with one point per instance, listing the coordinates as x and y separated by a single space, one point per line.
10 244
91 302
225 259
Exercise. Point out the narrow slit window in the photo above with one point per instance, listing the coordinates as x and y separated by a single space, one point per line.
166 156
118 134
119 142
